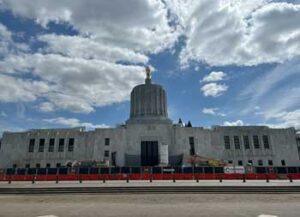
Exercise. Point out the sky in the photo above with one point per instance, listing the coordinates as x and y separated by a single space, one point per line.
69 63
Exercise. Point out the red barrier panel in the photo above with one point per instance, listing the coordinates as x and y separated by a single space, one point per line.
21 177
87 177
157 176
167 176
204 176
272 176
228 176
3 178
42 177
184 176
251 176
295 175
50 177
135 176
71 177
147 176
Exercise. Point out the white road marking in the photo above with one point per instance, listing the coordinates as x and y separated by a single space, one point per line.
47 216
265 215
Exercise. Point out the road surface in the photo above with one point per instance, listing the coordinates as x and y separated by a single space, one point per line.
203 205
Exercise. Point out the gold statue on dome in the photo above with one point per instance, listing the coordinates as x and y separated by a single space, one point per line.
148 72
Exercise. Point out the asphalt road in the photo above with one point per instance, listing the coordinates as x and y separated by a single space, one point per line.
151 205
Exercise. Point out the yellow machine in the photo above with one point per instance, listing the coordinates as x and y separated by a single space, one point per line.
197 160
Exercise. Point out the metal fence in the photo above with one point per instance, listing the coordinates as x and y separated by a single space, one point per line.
140 170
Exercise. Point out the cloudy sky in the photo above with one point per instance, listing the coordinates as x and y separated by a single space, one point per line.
68 63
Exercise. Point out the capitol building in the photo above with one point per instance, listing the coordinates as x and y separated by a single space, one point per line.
150 138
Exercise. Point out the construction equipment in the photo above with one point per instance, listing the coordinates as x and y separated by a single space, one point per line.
197 160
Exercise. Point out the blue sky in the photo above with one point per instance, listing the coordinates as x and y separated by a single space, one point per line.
73 63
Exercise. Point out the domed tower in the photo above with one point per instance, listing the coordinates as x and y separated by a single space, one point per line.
148 102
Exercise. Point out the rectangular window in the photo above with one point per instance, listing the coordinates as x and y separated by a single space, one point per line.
240 163
227 142
192 146
107 141
14 166
113 158
51 145
246 142
266 142
299 152
58 165
236 140
270 162
250 162
230 161
61 145
0 144
256 142
283 162
42 145
38 165
31 145
48 165
106 153
260 163
27 165
71 144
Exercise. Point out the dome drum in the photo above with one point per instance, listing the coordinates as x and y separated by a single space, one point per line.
148 101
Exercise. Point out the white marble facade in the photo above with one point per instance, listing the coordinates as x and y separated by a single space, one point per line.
149 124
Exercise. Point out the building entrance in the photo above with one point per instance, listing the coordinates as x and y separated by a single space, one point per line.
149 153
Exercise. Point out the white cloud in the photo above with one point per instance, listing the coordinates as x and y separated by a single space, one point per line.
97 67
234 123
212 111
286 119
74 84
7 45
73 122
46 107
134 24
265 83
217 32
5 39
214 89
16 89
275 91
238 32
5 34
214 76
87 48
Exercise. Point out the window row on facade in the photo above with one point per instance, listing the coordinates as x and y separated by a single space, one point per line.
246 141
51 145
38 165
259 162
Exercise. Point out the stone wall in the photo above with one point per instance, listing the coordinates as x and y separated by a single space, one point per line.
173 141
